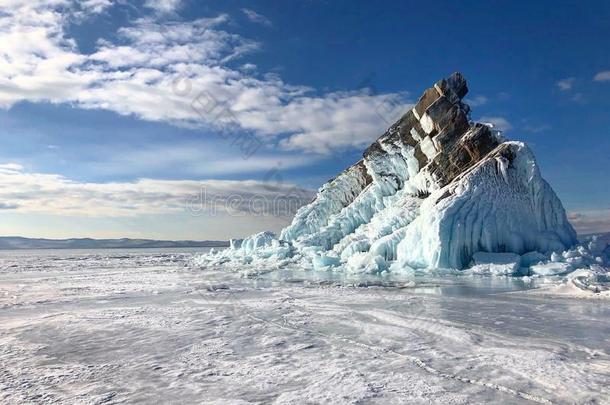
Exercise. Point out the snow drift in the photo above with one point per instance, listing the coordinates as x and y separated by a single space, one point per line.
436 190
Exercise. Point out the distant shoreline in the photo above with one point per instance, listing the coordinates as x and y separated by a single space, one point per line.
22 243
4 249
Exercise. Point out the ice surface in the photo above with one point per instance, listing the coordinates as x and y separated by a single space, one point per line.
153 327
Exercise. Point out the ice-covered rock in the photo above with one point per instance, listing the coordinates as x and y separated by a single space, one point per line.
501 204
430 192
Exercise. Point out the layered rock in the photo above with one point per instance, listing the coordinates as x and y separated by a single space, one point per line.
433 190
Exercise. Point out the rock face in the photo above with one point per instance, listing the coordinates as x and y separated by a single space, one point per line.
432 191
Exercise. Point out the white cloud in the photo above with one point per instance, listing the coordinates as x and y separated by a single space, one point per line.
163 6
602 76
95 6
192 159
535 129
25 192
248 67
179 73
565 84
499 123
256 17
10 167
477 101
339 120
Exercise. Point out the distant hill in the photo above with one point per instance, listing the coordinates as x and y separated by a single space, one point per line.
16 242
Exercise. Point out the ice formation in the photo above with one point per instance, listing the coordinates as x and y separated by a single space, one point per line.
436 190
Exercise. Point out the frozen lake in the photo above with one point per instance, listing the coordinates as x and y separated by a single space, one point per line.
146 326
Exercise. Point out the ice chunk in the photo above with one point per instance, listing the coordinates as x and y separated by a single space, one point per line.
495 263
366 263
575 261
556 257
551 268
598 243
235 243
325 261
256 241
530 258
595 279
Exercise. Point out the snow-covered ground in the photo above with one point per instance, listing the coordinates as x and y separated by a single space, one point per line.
152 327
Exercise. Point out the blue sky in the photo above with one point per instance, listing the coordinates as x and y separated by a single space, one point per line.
114 113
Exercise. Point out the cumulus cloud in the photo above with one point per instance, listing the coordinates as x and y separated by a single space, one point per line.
339 120
26 192
178 72
163 6
499 123
602 76
256 17
95 6
565 84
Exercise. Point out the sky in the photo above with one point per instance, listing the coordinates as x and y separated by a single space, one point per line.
189 119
